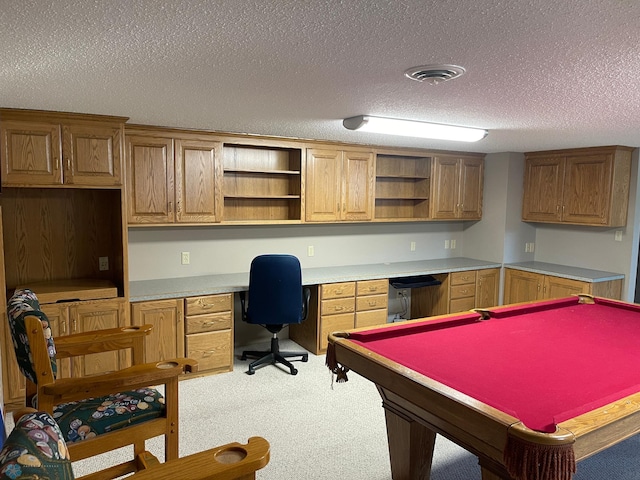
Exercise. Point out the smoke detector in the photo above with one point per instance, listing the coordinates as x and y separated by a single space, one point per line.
434 74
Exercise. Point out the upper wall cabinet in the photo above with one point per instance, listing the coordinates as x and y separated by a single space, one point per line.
586 186
339 185
173 178
457 186
54 149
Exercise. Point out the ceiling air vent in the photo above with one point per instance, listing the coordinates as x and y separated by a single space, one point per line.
434 74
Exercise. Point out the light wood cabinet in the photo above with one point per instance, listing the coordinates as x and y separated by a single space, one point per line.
79 317
457 292
262 183
50 149
587 186
341 306
173 178
339 185
209 332
523 286
66 319
457 187
166 340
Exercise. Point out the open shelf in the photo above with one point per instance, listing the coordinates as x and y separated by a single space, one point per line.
261 183
403 186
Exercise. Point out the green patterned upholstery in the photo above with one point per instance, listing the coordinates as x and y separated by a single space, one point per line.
35 449
87 418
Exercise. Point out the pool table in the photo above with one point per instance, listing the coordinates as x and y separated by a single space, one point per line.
530 388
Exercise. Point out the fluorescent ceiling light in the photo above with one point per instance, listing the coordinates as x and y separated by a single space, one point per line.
411 128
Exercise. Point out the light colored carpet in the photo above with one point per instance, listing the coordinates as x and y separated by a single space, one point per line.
317 432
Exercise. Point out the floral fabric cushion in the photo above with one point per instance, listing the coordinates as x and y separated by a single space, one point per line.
93 416
35 449
24 302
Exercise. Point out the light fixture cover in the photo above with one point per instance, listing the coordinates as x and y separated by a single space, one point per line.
411 128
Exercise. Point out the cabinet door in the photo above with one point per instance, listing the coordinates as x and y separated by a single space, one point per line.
557 287
587 191
151 179
543 183
358 176
31 153
487 288
198 176
58 315
445 191
322 185
166 340
471 188
92 155
92 316
522 286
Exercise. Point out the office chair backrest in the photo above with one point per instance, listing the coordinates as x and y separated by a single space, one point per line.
275 290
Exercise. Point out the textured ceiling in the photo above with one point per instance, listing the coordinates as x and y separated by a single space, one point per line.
541 74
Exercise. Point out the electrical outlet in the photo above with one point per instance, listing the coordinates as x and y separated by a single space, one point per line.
446 244
413 246
618 236
453 243
186 258
103 263
310 251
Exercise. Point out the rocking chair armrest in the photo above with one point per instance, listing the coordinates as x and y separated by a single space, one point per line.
131 378
230 461
98 341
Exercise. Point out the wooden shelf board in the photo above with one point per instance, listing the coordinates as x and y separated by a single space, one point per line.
53 291
265 197
268 172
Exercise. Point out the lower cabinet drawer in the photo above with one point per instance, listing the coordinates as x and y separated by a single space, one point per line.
371 318
462 304
337 306
371 302
333 323
212 350
461 291
208 323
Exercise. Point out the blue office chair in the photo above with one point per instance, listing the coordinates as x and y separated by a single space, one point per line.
276 298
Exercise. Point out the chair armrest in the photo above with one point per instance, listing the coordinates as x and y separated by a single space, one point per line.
99 341
227 462
137 376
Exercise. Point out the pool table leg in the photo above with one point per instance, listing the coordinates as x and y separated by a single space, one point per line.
410 446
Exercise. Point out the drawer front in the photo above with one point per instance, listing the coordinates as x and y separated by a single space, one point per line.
371 302
209 304
461 278
462 304
338 290
208 323
371 318
462 291
334 323
337 306
212 350
372 287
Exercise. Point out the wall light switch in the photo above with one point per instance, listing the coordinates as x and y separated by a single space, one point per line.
310 251
413 246
618 235
453 243
446 244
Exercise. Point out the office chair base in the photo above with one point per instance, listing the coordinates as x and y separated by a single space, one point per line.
273 356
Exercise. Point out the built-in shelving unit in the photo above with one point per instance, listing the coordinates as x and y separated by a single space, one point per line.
403 185
261 184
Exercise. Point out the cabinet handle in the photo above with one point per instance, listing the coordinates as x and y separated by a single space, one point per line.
207 305
170 206
75 325
538 287
338 292
373 303
344 207
338 309
373 289
208 353
211 322
64 326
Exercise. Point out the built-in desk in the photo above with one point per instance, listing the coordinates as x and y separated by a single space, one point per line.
363 288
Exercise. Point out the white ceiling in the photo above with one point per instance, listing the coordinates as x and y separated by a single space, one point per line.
541 74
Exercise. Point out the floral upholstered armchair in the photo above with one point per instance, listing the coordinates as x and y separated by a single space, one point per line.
98 413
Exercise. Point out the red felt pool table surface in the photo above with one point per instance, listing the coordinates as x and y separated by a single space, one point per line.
542 363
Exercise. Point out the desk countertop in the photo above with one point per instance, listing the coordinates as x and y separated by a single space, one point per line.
168 288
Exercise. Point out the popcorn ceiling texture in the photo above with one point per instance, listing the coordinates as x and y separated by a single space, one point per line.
541 74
